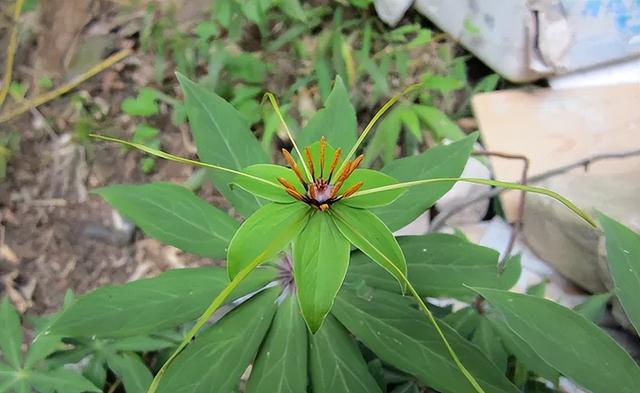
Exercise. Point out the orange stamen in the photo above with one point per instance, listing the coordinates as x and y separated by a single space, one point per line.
307 152
334 162
312 192
295 194
293 166
323 207
323 145
285 183
336 188
352 190
355 164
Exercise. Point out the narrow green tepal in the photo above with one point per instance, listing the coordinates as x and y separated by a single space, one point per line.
223 137
623 257
567 341
336 121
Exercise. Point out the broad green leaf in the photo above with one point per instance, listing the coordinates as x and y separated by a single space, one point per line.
174 215
265 233
42 347
490 343
524 353
407 387
369 234
399 334
623 257
150 305
96 370
320 262
61 380
140 344
7 377
444 84
130 369
594 307
439 124
336 121
223 138
567 341
537 290
293 9
410 120
385 139
281 366
219 356
439 161
143 105
371 179
465 321
336 363
440 265
271 173
10 334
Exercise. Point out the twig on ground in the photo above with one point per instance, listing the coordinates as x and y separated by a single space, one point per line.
516 226
439 220
65 88
11 53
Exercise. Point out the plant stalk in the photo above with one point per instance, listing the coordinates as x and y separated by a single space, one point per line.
495 183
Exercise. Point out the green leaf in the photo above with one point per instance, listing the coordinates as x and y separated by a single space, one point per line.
336 121
371 179
223 138
143 105
490 343
408 387
336 363
320 262
369 234
441 83
219 356
150 305
399 334
140 344
439 124
567 341
265 233
623 257
174 215
465 321
440 161
385 139
293 9
7 377
281 366
41 348
10 334
410 120
271 173
130 369
440 265
96 370
594 307
524 353
61 380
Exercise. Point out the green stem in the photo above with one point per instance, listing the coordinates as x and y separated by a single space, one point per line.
171 157
213 307
276 108
495 183
374 120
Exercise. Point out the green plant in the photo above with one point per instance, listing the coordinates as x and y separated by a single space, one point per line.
292 309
